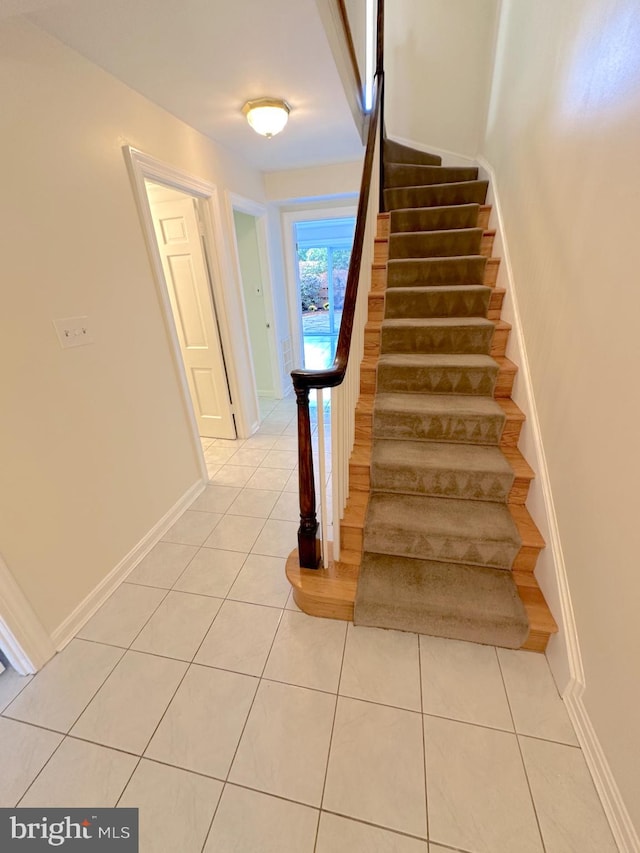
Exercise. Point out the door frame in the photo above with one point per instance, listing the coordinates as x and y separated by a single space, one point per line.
230 314
259 213
23 638
289 219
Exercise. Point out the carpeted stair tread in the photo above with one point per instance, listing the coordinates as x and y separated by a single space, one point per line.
437 335
434 218
395 152
437 373
439 301
465 471
436 195
438 417
434 272
480 605
478 533
413 175
444 243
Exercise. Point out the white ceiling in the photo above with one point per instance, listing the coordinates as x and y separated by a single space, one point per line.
202 59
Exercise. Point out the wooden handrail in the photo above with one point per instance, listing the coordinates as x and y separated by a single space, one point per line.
346 26
305 380
332 376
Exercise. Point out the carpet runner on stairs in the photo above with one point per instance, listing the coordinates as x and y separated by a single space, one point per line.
439 540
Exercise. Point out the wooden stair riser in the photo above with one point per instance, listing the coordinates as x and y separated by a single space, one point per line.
495 303
381 251
382 231
378 278
510 433
486 246
352 533
360 481
381 247
331 594
490 273
376 307
503 387
498 347
483 216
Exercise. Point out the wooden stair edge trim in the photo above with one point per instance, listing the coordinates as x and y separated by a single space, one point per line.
330 593
527 528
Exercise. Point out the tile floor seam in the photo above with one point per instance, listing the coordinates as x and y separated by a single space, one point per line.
549 740
380 826
213 817
164 598
333 724
520 753
106 678
39 773
29 678
260 678
424 739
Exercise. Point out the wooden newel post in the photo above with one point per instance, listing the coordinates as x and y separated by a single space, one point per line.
308 542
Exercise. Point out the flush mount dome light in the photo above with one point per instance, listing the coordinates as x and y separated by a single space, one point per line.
267 116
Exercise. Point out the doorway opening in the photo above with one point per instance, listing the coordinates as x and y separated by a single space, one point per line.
179 232
323 252
254 279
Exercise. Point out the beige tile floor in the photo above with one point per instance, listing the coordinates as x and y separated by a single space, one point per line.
237 724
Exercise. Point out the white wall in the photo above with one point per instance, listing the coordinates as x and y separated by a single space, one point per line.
438 64
316 182
94 441
563 138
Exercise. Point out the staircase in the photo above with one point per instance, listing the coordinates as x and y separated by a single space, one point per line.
436 537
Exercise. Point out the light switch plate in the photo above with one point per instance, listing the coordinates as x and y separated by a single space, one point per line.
73 331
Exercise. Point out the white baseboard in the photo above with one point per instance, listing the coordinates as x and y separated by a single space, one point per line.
449 158
563 653
85 610
624 832
564 649
23 638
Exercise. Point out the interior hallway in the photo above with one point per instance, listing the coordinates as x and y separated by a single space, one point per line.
202 695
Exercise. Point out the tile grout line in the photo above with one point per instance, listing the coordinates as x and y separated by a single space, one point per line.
66 734
333 725
168 705
28 679
173 696
524 765
424 737
226 780
290 683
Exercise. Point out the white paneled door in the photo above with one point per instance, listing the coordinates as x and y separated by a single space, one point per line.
187 277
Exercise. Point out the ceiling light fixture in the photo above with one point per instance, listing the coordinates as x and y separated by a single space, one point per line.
267 116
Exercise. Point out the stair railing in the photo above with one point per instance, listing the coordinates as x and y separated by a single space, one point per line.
343 377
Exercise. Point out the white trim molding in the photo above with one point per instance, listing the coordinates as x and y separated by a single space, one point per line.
259 213
230 316
449 158
23 638
67 630
288 218
563 653
624 832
